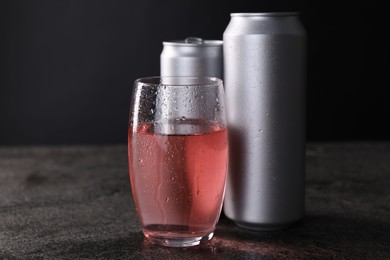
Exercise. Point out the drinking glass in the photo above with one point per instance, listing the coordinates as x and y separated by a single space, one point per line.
178 157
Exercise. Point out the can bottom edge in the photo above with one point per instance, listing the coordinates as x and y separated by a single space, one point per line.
265 227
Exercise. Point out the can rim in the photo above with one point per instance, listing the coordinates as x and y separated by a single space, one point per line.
268 14
205 43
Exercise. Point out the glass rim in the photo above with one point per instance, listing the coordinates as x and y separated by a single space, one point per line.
198 81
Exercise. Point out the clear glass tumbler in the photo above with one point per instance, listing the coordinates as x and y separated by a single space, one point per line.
178 157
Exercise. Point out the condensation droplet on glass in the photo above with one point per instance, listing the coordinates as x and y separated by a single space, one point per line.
166 199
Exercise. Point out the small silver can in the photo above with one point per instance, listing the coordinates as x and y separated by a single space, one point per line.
265 77
192 57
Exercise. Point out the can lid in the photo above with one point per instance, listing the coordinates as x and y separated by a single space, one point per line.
194 41
266 14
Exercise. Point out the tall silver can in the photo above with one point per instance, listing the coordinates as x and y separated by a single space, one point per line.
192 57
265 78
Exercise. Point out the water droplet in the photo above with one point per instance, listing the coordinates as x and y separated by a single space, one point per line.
266 113
166 199
260 130
183 118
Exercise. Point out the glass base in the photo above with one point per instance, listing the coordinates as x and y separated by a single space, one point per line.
171 239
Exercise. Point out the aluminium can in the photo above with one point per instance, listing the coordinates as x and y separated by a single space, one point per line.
265 78
192 57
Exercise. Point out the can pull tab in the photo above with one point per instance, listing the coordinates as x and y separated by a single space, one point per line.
194 40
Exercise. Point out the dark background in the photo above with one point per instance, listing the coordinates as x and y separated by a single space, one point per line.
67 67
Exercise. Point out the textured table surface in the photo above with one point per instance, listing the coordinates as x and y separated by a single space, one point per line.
74 202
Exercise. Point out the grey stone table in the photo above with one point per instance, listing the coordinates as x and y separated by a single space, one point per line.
74 202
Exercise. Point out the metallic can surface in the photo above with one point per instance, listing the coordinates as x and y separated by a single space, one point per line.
265 78
192 57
